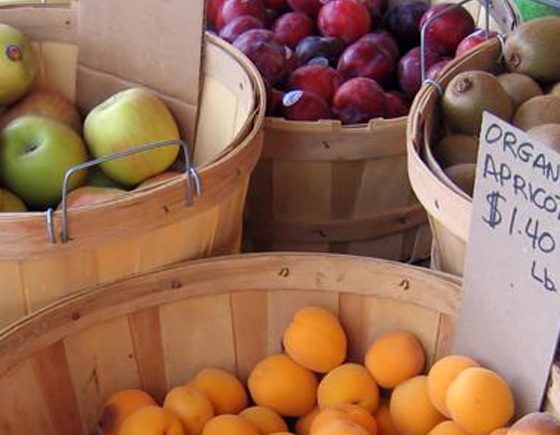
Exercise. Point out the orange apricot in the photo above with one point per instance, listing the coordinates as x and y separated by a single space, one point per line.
303 424
265 419
119 406
395 357
152 420
229 424
448 427
315 339
225 391
412 411
345 411
280 383
384 421
339 427
348 383
192 407
480 401
442 374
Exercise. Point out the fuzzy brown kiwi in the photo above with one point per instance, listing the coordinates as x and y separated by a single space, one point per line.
463 176
520 87
456 148
468 95
546 134
544 109
534 49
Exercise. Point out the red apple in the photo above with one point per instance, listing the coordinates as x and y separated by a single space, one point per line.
359 100
318 79
273 100
409 73
276 5
236 8
396 104
292 27
436 68
344 19
374 55
377 9
319 47
309 7
90 195
271 16
304 106
48 104
212 9
160 178
269 56
403 21
449 29
477 37
231 31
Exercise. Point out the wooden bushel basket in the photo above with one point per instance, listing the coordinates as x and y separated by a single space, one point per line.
147 228
156 331
449 209
322 186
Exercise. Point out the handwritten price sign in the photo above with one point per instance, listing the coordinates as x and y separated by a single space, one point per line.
510 314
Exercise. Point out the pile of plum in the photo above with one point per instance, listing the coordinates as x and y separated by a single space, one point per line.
352 60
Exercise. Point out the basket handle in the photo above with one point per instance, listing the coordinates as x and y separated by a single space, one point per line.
194 186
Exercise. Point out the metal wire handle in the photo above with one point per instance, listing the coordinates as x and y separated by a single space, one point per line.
487 5
194 186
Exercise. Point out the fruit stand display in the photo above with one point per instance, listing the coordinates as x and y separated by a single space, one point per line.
442 160
181 200
118 358
341 185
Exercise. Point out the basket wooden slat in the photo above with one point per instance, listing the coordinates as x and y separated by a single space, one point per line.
155 331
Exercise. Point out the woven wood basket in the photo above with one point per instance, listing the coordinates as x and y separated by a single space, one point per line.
147 228
322 186
157 330
449 209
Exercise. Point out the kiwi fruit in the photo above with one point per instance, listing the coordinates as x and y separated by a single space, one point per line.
463 175
520 87
456 148
546 134
544 109
468 95
534 49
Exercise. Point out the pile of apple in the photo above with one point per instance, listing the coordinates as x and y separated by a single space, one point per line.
42 136
352 60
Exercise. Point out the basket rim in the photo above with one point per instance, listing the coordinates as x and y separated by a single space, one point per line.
247 272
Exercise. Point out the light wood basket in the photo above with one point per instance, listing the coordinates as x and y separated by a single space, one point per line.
156 331
449 209
325 187
148 228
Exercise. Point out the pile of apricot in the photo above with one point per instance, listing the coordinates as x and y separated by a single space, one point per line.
311 389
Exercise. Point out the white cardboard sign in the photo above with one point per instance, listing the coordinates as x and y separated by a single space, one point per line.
510 313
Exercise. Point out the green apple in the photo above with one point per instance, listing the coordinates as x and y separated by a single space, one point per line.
129 119
10 203
35 154
89 195
98 178
18 64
